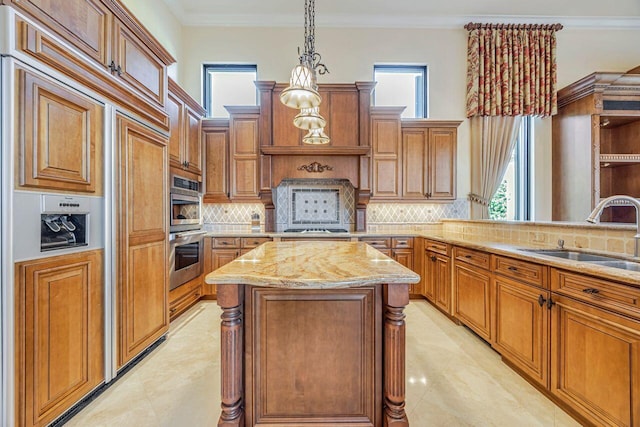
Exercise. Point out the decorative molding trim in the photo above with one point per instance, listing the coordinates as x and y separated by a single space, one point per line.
315 167
204 18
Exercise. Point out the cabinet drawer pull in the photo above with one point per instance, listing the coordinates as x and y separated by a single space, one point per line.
225 243
541 300
550 303
512 268
173 310
591 291
433 258
468 256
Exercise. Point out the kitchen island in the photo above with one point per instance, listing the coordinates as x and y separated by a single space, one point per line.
313 333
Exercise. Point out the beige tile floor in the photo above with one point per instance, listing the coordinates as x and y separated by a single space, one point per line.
453 379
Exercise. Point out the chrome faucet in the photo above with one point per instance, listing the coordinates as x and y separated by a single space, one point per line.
594 217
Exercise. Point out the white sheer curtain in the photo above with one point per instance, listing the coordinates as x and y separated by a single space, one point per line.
493 139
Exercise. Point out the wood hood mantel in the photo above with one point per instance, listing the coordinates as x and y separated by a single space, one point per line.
346 107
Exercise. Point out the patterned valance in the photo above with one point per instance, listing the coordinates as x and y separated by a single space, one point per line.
511 70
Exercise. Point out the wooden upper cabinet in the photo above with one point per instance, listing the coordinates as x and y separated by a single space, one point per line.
137 64
386 152
86 23
60 136
215 138
244 152
142 287
185 142
429 154
415 156
340 106
193 144
59 334
341 112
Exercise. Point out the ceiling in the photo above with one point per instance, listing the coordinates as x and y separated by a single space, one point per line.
408 13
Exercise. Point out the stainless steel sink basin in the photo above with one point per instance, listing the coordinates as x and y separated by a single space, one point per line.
602 260
625 265
572 255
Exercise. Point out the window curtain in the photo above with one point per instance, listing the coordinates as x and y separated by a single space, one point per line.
511 72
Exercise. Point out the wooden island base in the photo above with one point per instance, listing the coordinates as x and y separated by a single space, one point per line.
317 357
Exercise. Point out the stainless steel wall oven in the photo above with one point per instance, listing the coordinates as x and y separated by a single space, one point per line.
186 258
185 204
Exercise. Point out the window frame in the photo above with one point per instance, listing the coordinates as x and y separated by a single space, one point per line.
422 90
206 80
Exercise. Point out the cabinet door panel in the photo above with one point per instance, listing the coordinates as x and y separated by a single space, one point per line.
385 152
218 258
414 174
472 299
139 66
595 364
175 110
343 121
244 149
60 134
430 276
193 143
60 334
217 158
85 23
442 160
142 238
442 282
522 327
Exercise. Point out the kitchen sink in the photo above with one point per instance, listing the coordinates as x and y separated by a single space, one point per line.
603 260
572 255
625 265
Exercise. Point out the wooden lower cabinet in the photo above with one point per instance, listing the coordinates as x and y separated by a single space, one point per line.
184 296
142 253
522 327
218 258
441 278
595 363
59 334
472 298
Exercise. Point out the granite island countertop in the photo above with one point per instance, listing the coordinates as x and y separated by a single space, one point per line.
313 265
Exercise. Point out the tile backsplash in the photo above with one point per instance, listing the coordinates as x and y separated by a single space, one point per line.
231 217
416 213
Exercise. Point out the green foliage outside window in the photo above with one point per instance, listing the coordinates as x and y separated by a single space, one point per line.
498 205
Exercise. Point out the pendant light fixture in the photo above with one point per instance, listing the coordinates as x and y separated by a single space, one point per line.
302 92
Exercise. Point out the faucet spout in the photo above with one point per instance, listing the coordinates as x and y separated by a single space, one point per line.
594 216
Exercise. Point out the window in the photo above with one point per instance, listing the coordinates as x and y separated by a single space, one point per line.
402 85
228 84
512 200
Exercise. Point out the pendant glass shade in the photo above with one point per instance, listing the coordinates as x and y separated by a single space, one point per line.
309 118
316 137
301 92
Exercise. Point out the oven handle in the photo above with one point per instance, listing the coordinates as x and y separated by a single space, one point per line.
183 236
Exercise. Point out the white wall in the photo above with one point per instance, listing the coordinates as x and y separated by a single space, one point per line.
351 53
158 19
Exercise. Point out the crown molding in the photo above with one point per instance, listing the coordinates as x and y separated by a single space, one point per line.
398 21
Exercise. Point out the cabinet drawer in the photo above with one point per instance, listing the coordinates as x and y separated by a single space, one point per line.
377 242
477 258
602 293
439 247
184 296
254 242
534 274
401 242
226 242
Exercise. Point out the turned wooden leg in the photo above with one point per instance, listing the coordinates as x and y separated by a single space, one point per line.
396 297
230 299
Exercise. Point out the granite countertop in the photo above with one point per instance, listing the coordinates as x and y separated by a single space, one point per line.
313 265
514 250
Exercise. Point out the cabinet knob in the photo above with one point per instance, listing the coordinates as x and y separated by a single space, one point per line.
119 70
433 258
512 268
541 300
591 291
112 67
550 303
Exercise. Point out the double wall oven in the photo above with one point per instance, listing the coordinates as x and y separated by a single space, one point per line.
186 235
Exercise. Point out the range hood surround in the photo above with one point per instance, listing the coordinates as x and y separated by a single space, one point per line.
284 157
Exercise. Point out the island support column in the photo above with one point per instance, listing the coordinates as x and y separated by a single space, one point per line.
230 300
396 298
